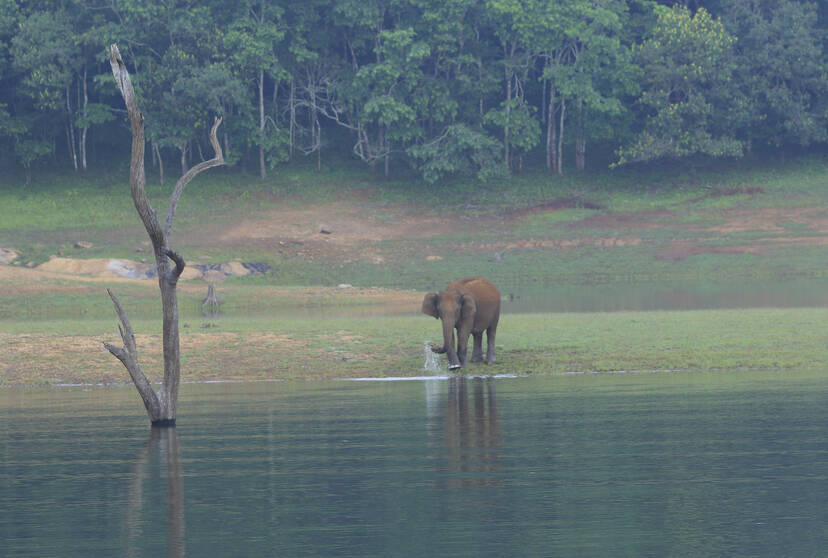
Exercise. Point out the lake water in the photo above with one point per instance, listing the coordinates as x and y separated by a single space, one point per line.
598 465
794 293
530 298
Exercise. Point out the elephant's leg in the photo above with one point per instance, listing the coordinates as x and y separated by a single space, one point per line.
477 351
462 346
490 343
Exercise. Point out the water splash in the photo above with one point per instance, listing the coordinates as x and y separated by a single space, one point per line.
432 359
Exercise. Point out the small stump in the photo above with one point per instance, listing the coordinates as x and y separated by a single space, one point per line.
210 305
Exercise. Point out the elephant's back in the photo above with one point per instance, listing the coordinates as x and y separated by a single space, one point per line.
485 292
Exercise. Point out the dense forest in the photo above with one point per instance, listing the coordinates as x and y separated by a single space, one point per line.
443 87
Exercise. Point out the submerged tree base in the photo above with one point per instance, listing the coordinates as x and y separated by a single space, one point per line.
163 423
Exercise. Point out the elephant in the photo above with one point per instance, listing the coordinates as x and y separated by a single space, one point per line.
471 306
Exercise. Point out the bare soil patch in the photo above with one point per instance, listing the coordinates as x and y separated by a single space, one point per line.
558 204
346 224
798 241
562 243
99 267
622 220
355 231
113 267
25 281
339 232
771 220
681 250
726 192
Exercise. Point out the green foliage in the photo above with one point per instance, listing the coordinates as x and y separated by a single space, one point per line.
516 116
384 81
276 145
781 71
460 150
43 53
687 65
29 150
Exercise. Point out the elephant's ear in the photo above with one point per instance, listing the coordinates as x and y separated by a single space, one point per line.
430 305
468 307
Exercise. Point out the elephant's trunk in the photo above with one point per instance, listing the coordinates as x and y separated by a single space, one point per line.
448 344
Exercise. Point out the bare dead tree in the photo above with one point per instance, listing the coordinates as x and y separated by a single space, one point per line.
160 405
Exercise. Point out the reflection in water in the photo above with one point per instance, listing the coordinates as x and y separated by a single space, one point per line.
161 447
723 464
472 432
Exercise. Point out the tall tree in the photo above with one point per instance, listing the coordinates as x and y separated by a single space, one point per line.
161 405
516 26
594 69
44 54
416 81
313 67
8 24
687 65
252 42
456 87
780 70
373 95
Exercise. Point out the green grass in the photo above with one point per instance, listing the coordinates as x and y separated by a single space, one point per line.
783 340
314 333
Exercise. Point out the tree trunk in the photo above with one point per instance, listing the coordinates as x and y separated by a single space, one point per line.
561 136
183 150
506 130
316 130
383 145
551 160
70 130
580 139
160 160
85 123
262 167
292 106
161 406
543 100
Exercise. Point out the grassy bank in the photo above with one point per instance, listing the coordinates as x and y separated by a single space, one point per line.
784 340
537 236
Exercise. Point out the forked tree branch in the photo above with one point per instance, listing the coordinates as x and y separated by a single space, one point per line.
216 161
128 355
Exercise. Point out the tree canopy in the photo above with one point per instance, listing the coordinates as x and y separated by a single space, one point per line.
477 87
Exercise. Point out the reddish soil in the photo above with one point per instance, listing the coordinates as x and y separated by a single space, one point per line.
352 231
556 205
681 250
771 220
621 221
340 232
